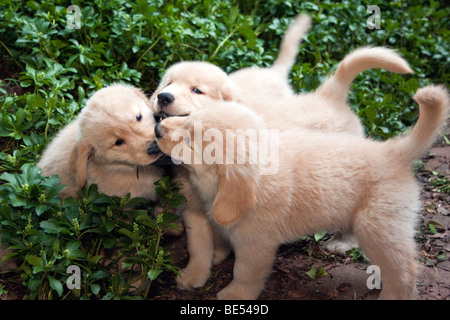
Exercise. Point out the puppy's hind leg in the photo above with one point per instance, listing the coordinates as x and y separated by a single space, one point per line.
390 245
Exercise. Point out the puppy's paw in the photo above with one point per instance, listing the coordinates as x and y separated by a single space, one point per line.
190 279
236 292
340 246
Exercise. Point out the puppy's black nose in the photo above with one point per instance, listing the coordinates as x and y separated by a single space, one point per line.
165 98
157 131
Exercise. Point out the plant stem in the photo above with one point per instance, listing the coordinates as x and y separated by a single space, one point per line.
222 43
146 51
10 53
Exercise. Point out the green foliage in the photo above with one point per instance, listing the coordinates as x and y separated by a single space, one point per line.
440 182
315 273
356 254
115 241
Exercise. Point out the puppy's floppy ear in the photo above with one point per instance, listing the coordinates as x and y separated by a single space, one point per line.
78 163
236 195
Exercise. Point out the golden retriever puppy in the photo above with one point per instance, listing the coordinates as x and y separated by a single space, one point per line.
324 182
189 86
108 144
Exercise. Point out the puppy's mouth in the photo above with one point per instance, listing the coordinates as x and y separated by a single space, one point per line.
161 115
163 159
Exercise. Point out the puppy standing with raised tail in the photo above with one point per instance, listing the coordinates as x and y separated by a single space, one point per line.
189 86
328 182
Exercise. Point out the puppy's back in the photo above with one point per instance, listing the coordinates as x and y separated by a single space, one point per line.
57 155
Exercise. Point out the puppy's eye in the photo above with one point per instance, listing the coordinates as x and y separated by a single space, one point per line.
139 117
197 91
119 142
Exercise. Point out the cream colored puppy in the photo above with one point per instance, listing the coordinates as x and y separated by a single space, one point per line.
107 145
324 182
190 86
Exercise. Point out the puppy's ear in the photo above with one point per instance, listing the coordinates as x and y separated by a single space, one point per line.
78 163
236 195
228 91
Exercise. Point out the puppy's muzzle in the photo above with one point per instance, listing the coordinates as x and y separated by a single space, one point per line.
164 99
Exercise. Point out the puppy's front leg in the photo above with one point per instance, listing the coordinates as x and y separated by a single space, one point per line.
252 266
200 246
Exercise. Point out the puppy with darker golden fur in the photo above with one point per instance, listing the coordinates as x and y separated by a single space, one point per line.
324 182
107 144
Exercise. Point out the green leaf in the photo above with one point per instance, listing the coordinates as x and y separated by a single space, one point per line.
55 285
95 288
52 226
35 260
371 114
20 116
109 225
17 202
432 228
154 273
319 235
95 259
10 255
312 272
100 275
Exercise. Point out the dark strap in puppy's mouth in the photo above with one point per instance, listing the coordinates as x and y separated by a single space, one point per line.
154 149
163 159
160 116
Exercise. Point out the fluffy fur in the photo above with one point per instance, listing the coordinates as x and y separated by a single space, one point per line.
107 145
325 182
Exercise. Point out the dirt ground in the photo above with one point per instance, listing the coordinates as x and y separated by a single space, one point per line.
345 279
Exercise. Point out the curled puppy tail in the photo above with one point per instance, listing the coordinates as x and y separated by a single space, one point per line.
291 40
337 86
434 104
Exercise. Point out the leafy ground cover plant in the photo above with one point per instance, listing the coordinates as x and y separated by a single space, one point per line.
114 242
49 69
